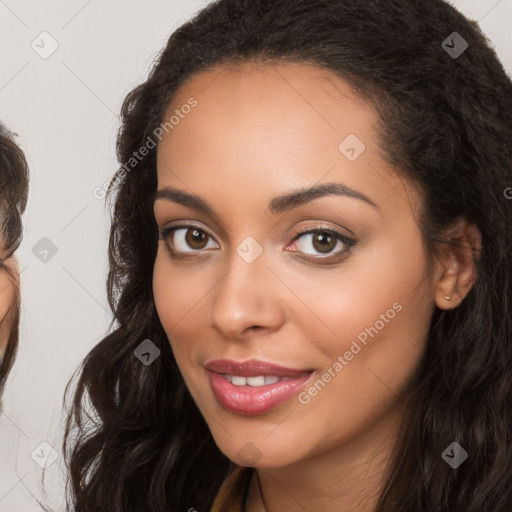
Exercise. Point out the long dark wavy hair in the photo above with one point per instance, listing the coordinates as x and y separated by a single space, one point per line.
14 179
135 439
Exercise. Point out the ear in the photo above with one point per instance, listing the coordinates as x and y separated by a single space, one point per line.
456 264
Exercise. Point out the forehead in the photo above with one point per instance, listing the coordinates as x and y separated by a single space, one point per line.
264 129
266 88
287 112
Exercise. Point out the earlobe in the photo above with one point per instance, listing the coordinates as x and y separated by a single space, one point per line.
457 264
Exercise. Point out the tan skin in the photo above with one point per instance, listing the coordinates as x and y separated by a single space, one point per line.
7 297
257 132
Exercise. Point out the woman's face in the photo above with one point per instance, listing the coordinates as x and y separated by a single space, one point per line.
242 282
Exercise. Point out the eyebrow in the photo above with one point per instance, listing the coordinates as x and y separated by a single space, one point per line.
277 205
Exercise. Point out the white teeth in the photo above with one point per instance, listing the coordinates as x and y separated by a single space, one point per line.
256 381
238 381
261 380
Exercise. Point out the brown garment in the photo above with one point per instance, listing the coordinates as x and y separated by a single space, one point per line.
233 491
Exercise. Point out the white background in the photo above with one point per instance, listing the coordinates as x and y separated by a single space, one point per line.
65 110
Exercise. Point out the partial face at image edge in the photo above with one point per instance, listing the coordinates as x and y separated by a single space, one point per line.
13 198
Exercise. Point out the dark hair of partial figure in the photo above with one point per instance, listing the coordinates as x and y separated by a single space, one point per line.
14 178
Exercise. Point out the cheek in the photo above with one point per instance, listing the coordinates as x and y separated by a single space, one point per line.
179 293
7 298
373 334
175 290
373 312
368 288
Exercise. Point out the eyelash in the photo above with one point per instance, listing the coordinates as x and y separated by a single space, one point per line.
165 233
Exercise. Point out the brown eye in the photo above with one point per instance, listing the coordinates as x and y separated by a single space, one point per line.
195 238
324 242
186 239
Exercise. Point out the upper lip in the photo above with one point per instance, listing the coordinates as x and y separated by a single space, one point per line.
252 368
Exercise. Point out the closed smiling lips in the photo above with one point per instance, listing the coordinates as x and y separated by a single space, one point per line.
253 387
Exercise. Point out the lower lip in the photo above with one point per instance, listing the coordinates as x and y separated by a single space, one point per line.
252 400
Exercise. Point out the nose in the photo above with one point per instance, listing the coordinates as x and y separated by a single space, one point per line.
247 298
